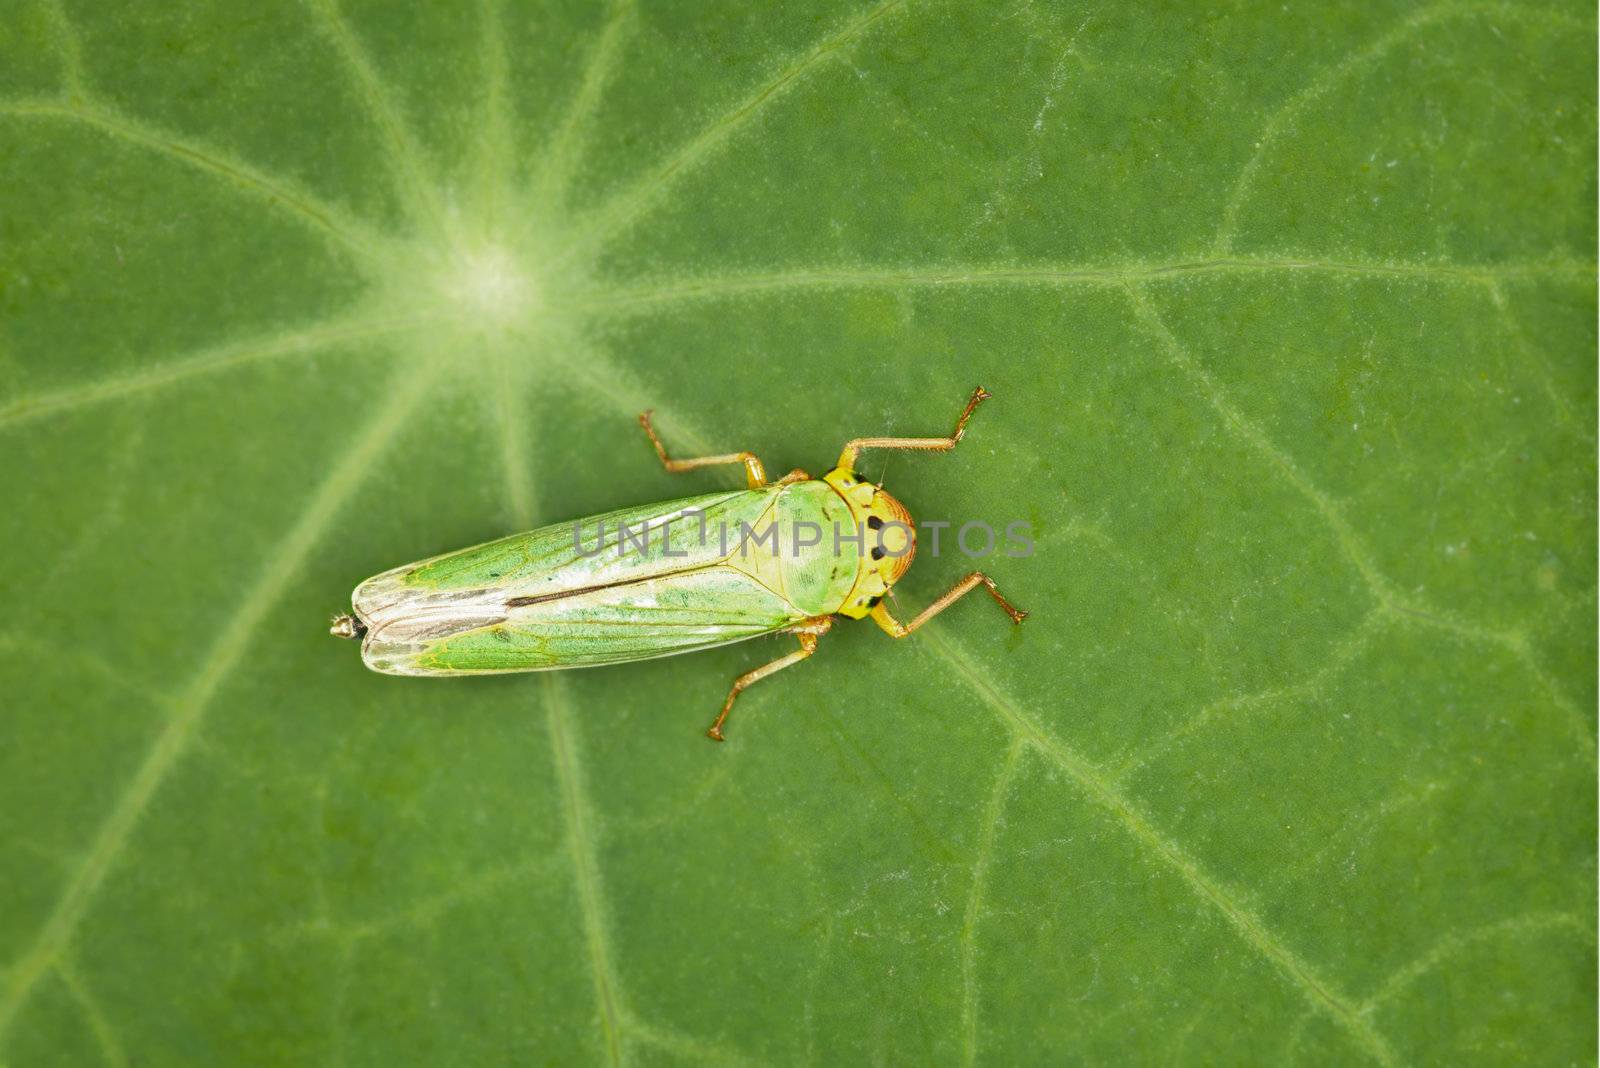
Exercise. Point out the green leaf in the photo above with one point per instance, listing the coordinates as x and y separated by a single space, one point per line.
1288 311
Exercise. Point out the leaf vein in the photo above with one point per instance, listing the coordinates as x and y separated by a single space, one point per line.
104 1035
955 276
1532 924
71 48
404 153
623 209
174 740
585 867
1328 78
278 344
1351 546
496 145
560 159
277 191
1251 928
993 813
1345 652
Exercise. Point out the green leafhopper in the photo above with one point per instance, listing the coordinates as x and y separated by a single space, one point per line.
656 583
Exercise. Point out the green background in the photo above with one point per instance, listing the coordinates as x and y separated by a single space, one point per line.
1288 311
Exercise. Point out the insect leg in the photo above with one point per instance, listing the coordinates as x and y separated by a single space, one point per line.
847 459
754 472
808 645
896 629
797 475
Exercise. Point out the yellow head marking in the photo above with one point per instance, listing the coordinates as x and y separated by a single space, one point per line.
890 539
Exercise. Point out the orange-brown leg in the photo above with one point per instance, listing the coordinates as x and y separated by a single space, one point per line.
808 645
797 475
754 472
847 458
896 629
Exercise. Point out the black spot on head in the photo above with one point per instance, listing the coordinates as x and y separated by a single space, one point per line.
878 552
874 522
874 601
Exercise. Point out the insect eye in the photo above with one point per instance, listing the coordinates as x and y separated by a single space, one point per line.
874 522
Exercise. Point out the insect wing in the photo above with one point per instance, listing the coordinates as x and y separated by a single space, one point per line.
678 613
635 583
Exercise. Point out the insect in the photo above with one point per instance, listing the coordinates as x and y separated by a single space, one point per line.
666 578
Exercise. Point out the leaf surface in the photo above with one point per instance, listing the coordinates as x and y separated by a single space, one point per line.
1289 316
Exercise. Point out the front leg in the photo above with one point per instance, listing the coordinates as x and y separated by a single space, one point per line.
852 449
896 629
